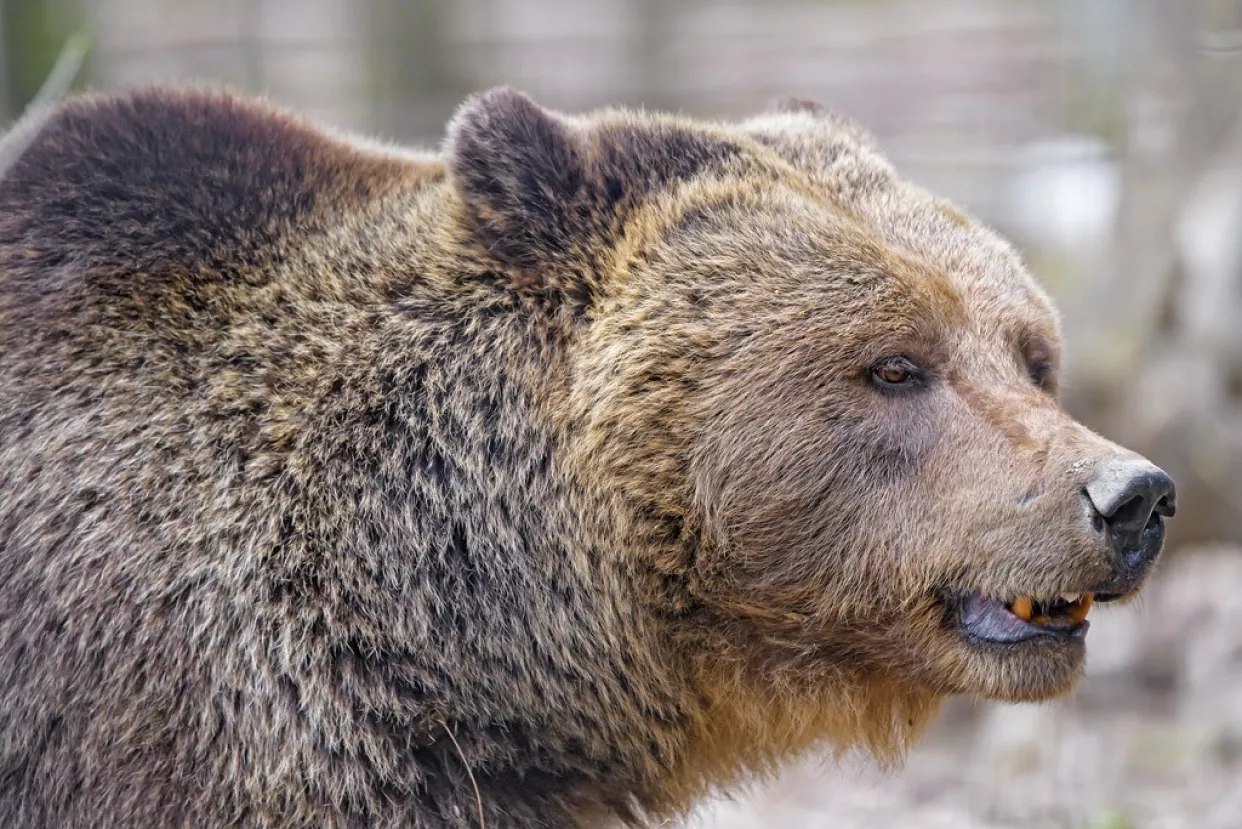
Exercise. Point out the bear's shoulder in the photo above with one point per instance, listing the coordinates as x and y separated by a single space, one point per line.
159 178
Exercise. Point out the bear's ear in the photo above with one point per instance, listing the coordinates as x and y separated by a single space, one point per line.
793 105
831 149
521 174
789 120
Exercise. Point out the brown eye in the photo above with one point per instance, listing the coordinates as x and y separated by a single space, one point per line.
895 374
1041 375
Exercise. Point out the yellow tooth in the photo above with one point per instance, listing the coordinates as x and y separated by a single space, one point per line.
1021 608
1078 610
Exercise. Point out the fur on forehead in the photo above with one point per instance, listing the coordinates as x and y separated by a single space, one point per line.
843 161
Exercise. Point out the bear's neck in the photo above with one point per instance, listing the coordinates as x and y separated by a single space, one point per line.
515 652
535 643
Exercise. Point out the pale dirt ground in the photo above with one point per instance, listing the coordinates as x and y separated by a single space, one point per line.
1151 740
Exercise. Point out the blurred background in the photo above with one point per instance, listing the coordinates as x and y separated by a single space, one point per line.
1103 136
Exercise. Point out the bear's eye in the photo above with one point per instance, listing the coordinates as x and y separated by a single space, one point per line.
1042 375
895 373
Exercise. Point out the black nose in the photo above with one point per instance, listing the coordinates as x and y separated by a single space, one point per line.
1132 497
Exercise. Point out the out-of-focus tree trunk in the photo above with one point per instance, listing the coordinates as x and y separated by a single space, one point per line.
1158 354
6 104
652 25
415 84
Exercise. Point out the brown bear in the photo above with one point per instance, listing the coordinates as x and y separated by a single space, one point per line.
555 480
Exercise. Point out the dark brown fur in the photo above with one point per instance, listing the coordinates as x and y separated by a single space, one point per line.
336 482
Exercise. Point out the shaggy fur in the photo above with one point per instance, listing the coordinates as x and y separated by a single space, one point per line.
543 478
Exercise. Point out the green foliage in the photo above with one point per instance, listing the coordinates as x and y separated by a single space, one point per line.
1112 819
34 32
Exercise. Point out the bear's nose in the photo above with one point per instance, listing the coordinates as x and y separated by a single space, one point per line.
1132 497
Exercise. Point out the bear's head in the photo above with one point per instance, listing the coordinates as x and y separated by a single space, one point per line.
826 403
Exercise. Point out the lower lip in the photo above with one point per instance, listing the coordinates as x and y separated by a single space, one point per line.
989 623
1077 635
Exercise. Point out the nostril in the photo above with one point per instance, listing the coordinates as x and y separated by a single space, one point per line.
1166 506
1119 484
1133 513
1130 499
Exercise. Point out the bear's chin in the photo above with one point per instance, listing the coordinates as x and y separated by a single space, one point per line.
1029 670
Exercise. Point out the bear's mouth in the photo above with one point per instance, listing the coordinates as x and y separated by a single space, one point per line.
1024 618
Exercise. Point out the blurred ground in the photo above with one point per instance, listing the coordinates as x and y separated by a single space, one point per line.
1151 740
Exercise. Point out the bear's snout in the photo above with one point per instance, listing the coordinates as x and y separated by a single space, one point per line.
1128 500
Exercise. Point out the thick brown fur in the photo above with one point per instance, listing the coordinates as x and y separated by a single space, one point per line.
337 481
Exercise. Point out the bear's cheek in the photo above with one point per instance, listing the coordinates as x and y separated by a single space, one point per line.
822 501
877 512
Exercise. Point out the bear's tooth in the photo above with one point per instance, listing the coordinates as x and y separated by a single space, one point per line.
1070 598
1080 610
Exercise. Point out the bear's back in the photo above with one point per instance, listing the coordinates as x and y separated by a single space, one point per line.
162 339
272 455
